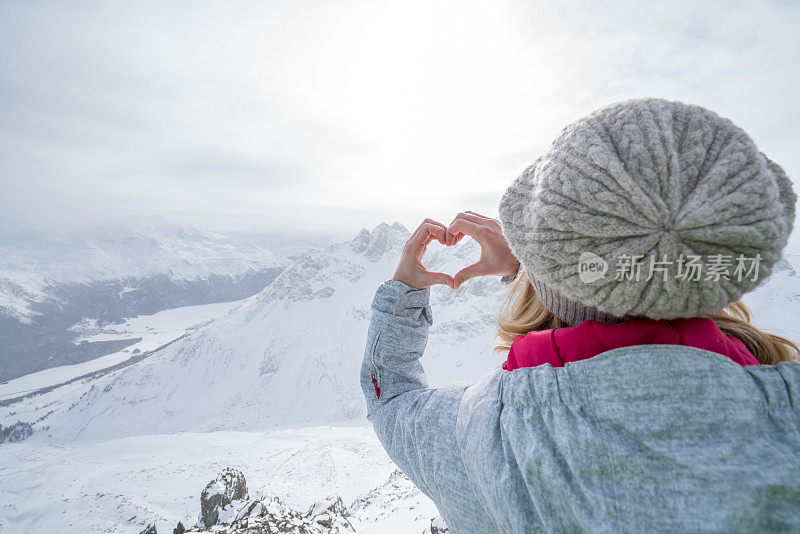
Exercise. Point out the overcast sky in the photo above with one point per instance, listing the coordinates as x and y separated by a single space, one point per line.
338 115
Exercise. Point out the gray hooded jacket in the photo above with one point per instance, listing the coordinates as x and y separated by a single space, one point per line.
645 438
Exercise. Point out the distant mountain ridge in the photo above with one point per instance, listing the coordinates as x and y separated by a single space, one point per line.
140 265
136 248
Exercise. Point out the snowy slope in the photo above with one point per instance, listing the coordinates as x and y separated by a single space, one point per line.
119 486
776 304
137 266
153 331
289 356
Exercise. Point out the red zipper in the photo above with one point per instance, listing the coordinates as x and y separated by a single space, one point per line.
375 384
375 378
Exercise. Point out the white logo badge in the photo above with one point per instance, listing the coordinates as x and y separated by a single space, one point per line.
591 267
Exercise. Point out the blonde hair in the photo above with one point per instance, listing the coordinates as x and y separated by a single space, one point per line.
523 312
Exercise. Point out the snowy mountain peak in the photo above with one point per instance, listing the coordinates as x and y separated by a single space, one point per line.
318 273
383 238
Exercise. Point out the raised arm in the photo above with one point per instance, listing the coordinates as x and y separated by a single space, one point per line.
401 316
405 413
415 423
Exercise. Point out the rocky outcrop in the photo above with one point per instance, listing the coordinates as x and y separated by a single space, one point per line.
149 529
239 514
383 238
16 432
272 515
220 496
438 526
331 514
225 508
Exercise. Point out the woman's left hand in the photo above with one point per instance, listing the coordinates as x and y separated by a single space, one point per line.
410 271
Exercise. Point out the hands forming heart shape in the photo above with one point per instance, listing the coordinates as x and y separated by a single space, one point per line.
496 256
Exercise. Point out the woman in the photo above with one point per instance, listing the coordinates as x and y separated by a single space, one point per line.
636 396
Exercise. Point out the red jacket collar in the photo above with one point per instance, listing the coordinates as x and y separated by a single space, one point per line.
573 343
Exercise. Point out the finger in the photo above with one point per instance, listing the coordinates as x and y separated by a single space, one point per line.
428 221
470 228
421 250
431 221
432 278
437 223
483 219
426 230
471 271
481 216
476 218
454 237
435 232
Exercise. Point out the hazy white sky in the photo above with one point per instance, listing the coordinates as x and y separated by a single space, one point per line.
338 115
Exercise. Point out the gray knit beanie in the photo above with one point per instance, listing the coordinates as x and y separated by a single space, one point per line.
648 208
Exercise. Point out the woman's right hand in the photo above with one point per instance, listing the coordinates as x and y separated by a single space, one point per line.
496 255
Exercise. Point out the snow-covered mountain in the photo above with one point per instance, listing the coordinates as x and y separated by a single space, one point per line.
288 356
124 448
140 265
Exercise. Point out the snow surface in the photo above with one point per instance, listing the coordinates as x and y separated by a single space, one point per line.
153 330
119 486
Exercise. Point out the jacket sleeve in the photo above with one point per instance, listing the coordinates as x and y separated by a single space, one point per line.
398 333
416 424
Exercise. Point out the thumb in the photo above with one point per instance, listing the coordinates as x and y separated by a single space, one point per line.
471 271
433 278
